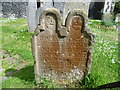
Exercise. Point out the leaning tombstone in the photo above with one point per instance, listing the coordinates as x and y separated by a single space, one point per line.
62 54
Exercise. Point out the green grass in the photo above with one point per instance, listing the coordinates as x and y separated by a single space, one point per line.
17 41
105 56
16 38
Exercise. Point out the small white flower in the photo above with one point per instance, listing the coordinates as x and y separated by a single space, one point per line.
113 61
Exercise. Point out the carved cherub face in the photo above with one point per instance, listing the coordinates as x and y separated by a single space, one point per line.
50 23
77 23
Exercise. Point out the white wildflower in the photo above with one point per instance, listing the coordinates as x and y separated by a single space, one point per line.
113 61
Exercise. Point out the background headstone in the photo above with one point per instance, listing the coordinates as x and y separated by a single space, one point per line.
32 7
108 12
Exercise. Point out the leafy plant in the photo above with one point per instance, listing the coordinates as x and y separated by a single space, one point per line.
117 8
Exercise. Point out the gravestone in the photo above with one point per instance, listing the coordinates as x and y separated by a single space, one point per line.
32 7
107 12
62 53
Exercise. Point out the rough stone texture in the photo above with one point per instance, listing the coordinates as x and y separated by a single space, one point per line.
62 53
1 10
14 9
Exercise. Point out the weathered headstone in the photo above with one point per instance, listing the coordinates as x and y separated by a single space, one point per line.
62 53
32 7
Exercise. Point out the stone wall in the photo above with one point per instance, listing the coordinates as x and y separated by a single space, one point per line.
1 10
13 8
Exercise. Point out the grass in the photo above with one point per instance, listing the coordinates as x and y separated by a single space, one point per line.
105 56
17 41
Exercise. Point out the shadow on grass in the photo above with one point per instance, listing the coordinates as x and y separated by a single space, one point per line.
26 73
